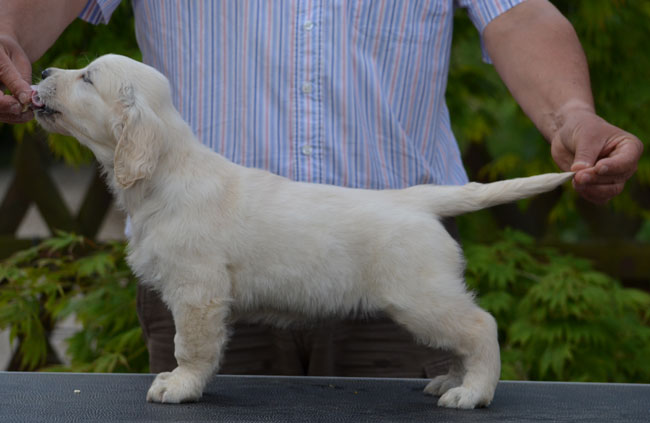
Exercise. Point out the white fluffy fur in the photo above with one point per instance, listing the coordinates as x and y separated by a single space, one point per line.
222 242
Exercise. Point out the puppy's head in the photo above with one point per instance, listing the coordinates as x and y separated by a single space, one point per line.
116 106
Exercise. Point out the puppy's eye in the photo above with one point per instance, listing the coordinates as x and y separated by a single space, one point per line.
86 79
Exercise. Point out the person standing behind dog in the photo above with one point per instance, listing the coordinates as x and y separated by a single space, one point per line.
345 93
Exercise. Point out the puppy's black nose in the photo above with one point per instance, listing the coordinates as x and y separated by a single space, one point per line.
46 73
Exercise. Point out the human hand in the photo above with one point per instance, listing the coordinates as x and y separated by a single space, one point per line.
603 156
15 74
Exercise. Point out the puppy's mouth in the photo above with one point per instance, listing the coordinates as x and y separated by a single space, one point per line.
38 104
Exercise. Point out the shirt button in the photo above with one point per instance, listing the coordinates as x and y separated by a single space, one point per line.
308 26
306 150
306 87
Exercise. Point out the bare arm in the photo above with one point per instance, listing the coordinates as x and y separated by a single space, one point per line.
27 29
538 55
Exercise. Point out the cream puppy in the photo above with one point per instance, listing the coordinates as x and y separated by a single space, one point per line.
221 242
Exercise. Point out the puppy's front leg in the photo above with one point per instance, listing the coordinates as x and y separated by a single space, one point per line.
201 335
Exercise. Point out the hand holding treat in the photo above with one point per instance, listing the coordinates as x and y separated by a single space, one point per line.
15 74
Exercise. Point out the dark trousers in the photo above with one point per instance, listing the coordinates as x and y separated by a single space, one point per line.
375 347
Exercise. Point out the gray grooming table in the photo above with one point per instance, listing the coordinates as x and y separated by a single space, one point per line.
64 397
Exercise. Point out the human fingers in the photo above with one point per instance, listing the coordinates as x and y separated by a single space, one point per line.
617 163
606 179
599 193
15 69
579 142
622 159
11 111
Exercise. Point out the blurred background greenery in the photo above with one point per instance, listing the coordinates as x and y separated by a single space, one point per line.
499 141
561 317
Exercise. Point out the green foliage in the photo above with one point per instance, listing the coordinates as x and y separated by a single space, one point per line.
69 275
559 319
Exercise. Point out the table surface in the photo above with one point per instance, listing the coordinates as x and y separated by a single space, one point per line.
65 397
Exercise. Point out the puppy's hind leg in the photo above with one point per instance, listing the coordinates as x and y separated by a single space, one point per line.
441 384
479 352
454 322
201 335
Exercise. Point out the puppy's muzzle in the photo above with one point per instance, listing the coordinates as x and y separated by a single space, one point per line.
38 103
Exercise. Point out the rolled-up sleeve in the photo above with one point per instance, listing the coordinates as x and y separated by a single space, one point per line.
482 12
99 11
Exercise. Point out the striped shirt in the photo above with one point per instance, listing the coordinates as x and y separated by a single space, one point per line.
338 92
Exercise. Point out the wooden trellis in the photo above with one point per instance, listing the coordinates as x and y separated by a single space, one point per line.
32 184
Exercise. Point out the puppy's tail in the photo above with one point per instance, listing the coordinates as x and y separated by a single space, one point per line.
455 200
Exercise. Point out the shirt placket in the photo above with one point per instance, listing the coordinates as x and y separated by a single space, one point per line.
308 92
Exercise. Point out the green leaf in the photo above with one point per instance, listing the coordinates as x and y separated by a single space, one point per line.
555 359
61 241
99 264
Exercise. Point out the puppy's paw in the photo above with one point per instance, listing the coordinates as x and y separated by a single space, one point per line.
175 387
465 398
441 384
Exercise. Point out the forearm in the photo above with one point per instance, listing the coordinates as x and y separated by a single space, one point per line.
36 24
538 55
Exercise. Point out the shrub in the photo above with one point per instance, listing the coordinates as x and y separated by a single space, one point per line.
69 275
559 319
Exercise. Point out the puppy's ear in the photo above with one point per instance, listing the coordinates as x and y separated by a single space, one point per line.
139 139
